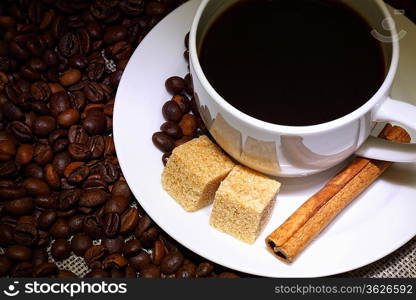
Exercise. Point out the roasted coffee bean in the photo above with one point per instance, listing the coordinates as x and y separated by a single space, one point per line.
143 224
59 103
76 172
60 229
119 51
33 170
25 234
95 71
69 45
46 201
92 226
150 271
38 107
189 87
8 168
40 91
12 192
24 154
80 152
156 9
188 124
97 146
77 134
228 275
98 273
78 62
21 131
183 103
171 262
114 245
165 157
186 271
19 206
76 223
35 186
60 249
140 261
132 248
12 112
52 176
61 161
171 129
163 142
39 257
68 117
51 58
42 154
68 199
116 204
96 92
65 274
95 253
175 85
111 224
95 123
5 265
18 253
114 261
114 34
183 140
70 77
171 111
121 189
158 252
149 237
204 269
129 220
93 197
44 270
6 235
23 269
47 218
81 243
44 125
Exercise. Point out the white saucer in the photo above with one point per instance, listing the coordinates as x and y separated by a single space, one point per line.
381 220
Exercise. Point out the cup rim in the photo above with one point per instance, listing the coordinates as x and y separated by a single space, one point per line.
263 125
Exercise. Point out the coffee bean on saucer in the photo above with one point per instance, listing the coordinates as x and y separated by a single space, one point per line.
171 111
188 124
163 142
172 129
175 85
183 102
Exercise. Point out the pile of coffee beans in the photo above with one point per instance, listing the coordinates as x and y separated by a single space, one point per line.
62 193
183 122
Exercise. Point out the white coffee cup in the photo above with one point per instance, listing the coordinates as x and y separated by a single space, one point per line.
300 151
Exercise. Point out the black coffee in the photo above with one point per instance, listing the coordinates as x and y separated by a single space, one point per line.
293 62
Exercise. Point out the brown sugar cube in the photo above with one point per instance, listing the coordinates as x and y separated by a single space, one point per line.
243 203
194 172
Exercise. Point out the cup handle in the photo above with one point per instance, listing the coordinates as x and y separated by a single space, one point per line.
397 112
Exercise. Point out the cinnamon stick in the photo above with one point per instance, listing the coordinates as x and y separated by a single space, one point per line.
290 238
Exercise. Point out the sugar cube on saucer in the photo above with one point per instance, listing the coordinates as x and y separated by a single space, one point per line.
194 171
243 203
